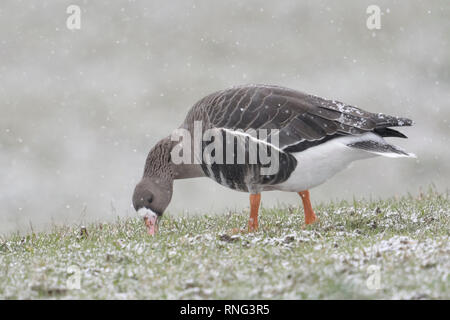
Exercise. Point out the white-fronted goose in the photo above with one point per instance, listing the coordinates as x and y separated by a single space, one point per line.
315 138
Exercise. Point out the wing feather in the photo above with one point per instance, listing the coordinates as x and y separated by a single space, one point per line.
300 118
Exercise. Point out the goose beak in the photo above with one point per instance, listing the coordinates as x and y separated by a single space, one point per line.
151 220
151 223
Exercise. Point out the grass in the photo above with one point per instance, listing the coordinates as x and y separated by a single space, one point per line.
195 257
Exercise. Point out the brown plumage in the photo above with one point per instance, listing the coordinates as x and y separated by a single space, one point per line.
298 116
303 122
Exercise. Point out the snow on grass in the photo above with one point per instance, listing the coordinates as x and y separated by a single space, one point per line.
196 257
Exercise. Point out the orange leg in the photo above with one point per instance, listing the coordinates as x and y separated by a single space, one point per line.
255 200
310 216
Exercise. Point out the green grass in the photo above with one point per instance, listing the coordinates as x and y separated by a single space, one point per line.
196 257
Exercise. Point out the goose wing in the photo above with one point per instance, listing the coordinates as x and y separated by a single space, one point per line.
301 120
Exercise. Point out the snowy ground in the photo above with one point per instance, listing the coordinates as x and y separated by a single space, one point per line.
395 249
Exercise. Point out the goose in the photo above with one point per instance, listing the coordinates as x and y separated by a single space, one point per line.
309 138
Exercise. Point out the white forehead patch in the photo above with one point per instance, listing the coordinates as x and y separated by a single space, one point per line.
142 212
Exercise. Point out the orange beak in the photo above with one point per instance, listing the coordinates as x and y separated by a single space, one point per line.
151 223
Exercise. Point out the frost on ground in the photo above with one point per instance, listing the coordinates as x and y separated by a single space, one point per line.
394 249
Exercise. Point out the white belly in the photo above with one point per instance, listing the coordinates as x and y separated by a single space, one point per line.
317 164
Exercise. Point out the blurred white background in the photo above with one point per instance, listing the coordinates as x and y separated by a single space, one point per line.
80 109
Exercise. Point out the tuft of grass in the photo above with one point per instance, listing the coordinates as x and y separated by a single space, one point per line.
385 249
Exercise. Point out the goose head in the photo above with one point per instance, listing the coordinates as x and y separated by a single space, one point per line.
151 197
